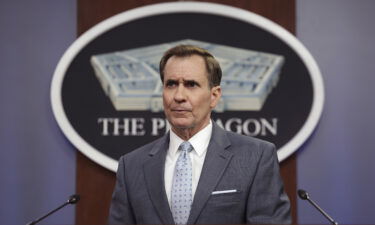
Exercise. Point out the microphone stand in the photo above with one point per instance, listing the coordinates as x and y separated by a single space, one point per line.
305 196
72 200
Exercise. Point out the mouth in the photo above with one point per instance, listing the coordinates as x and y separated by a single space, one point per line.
180 110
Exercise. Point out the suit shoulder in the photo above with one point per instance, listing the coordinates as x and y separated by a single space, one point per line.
242 139
238 140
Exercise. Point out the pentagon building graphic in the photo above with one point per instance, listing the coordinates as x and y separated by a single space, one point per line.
131 78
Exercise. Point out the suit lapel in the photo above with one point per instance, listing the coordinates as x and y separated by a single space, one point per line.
216 161
154 174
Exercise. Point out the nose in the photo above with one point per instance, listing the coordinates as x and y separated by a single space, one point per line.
180 95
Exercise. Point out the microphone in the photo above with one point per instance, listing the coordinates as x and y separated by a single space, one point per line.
305 196
73 199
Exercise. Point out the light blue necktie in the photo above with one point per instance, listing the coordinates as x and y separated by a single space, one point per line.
182 195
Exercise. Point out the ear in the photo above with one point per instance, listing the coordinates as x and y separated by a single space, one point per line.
215 96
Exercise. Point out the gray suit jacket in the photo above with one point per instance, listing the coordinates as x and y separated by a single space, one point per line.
233 162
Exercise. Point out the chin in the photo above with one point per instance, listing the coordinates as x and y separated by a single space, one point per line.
181 124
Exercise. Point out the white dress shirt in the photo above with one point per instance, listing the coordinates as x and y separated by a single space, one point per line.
200 143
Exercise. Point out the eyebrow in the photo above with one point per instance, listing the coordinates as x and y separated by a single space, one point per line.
185 81
192 82
170 80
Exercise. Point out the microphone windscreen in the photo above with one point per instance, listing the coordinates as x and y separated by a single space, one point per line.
74 199
303 194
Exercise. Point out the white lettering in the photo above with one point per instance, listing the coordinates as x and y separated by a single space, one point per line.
157 124
137 126
254 124
105 126
250 127
237 125
117 126
219 123
266 125
122 126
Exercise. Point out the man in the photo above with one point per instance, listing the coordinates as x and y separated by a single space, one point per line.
198 173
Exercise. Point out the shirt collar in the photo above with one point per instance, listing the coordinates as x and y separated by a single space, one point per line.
199 141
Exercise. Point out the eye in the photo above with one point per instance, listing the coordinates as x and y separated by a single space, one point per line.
191 83
170 83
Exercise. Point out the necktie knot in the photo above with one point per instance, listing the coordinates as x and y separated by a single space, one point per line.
185 147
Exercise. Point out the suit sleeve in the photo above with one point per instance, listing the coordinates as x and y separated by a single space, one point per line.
267 202
120 210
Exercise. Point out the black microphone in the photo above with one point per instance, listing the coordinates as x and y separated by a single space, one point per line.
305 196
72 200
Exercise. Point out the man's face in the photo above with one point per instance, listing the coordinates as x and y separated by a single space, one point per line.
187 97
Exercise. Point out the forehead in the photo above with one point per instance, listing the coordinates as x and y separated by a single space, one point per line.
187 67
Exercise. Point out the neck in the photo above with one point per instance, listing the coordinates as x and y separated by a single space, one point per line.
184 134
